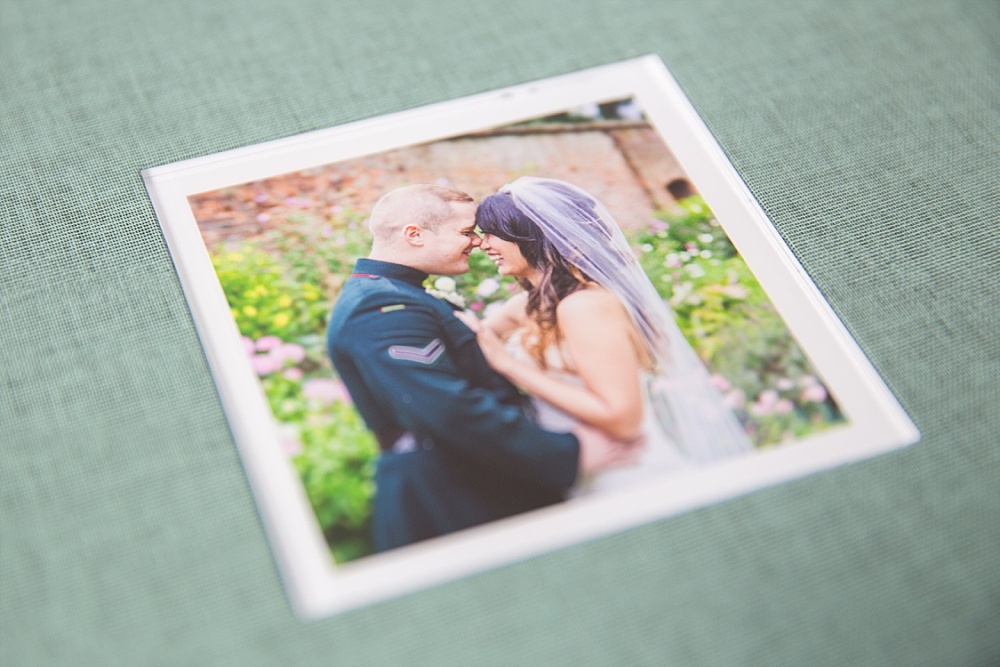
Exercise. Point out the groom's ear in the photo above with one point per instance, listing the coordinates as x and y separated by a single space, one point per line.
413 235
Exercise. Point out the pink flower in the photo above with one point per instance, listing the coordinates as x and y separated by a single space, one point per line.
267 343
324 390
326 232
814 394
288 436
261 198
248 346
784 384
264 364
263 217
476 306
291 448
783 407
768 398
735 399
288 352
294 374
721 383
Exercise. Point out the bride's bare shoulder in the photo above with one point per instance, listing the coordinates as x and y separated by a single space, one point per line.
589 303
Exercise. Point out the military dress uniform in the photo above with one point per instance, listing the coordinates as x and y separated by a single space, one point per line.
457 447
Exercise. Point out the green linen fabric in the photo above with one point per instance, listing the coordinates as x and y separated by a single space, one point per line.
868 130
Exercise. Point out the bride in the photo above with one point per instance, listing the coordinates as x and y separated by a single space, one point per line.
590 340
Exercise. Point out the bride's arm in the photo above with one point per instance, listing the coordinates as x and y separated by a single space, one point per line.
595 329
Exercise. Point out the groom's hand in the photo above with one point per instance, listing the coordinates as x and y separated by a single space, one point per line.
599 452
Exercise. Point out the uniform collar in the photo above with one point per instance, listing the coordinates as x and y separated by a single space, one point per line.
375 267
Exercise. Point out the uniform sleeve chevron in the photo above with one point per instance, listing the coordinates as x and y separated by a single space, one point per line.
422 355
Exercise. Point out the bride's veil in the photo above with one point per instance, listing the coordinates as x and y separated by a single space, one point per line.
687 404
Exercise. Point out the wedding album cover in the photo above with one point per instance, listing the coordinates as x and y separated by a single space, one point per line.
474 332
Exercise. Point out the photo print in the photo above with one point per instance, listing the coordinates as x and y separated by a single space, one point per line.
466 334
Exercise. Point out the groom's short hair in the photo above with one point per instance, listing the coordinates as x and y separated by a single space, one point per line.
426 206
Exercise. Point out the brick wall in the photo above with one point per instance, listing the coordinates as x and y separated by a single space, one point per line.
625 165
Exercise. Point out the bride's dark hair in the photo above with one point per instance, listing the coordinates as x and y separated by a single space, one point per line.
498 215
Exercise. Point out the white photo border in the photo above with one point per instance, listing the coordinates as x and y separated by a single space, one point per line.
317 587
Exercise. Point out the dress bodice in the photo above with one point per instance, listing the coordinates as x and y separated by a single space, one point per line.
660 457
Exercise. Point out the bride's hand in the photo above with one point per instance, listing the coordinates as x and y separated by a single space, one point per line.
492 346
494 350
470 320
599 452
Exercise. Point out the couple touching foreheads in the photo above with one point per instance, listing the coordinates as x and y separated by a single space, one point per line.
580 383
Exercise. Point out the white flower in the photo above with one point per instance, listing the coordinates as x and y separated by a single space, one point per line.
586 111
445 284
694 270
488 287
630 111
451 297
705 238
681 292
735 291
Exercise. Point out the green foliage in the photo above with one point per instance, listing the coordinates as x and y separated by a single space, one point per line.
334 454
320 253
337 467
265 299
732 325
279 288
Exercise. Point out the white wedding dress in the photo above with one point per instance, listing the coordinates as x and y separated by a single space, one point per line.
660 455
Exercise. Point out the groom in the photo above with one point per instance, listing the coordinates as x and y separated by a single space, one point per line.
456 449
